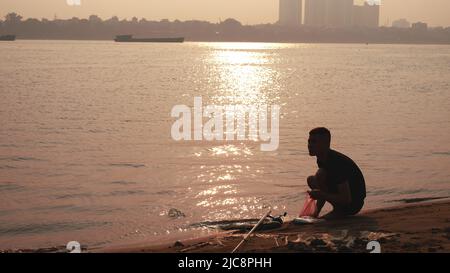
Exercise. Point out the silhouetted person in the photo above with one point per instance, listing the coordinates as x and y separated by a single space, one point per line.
338 181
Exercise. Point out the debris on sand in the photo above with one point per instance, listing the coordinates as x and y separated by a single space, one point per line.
55 249
175 213
178 244
342 243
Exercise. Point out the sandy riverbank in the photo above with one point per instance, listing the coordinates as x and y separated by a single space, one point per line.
421 227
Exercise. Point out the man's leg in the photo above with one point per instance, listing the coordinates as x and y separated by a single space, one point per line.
318 182
350 210
312 182
334 214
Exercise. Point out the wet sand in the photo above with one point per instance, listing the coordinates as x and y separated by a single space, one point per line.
420 227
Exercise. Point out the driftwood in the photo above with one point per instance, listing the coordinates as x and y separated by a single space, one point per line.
251 231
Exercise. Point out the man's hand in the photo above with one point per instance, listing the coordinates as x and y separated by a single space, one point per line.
316 194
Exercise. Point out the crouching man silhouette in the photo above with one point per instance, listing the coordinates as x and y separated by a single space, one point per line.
338 180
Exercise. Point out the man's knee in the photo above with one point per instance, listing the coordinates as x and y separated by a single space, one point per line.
321 176
312 182
317 182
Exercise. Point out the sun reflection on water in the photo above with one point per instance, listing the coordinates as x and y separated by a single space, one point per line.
223 189
240 74
244 73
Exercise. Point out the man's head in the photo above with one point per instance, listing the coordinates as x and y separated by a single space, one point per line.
319 141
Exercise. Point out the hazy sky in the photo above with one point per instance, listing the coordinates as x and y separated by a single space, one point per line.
434 12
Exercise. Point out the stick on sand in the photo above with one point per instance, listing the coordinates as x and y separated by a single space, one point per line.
251 231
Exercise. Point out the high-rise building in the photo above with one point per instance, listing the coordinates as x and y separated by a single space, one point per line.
290 12
339 13
316 13
366 15
329 13
401 23
419 26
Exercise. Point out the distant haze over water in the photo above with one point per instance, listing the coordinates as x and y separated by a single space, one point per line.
434 12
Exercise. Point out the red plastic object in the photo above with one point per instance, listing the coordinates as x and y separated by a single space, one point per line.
309 207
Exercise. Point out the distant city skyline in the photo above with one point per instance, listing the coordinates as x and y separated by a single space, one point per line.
433 12
290 12
341 13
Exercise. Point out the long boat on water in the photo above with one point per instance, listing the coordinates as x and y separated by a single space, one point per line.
129 38
7 37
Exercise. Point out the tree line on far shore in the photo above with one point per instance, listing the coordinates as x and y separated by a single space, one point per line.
95 28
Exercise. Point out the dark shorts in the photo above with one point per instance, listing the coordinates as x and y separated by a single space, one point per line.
351 209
